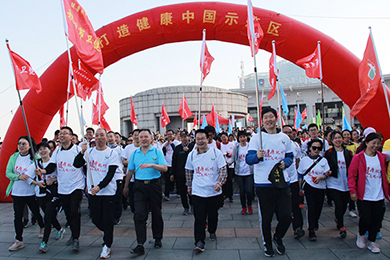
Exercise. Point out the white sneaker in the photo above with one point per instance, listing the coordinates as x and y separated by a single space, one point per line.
16 246
352 214
106 252
374 248
361 241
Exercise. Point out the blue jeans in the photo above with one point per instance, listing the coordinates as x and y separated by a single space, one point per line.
245 183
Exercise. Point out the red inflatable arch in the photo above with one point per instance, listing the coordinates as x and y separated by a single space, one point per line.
185 22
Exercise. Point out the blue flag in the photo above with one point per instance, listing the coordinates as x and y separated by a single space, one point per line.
230 128
346 125
298 118
217 128
204 123
284 100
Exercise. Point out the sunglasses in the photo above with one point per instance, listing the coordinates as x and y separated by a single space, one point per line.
316 148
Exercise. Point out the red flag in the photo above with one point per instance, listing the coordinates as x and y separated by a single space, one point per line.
195 120
95 114
62 117
133 116
272 76
103 106
369 78
253 29
164 117
82 35
207 60
184 110
250 118
104 124
85 82
304 114
25 76
312 64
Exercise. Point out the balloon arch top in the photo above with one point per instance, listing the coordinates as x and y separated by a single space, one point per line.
185 22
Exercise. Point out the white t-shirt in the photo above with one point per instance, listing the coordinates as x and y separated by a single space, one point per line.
119 174
169 152
321 167
45 177
341 182
24 188
228 149
99 162
374 189
212 145
322 153
275 146
69 178
292 170
205 167
244 168
127 154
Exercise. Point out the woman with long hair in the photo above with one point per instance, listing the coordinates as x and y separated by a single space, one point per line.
313 170
369 187
22 189
347 140
339 158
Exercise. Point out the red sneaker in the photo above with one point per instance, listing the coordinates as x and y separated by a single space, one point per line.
243 211
250 210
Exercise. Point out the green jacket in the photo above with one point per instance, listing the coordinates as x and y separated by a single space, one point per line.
10 174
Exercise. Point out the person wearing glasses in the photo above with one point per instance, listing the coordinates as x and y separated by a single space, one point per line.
313 170
22 189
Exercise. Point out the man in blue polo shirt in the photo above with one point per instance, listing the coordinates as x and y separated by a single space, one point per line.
146 163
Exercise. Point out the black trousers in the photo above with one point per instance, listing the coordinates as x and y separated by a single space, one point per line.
148 197
182 191
245 183
130 197
102 214
51 216
71 205
205 209
19 204
227 188
273 200
118 199
371 215
296 200
315 201
341 199
168 183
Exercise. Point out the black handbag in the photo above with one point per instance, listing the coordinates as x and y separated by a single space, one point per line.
276 177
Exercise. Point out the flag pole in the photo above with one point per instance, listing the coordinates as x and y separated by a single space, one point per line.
380 71
81 100
182 123
67 96
74 89
322 87
22 108
100 99
201 75
277 83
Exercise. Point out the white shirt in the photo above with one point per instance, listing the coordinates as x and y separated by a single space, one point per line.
126 154
374 189
275 146
99 162
46 177
341 182
292 170
228 149
212 145
205 167
24 188
325 145
169 152
244 168
69 178
319 170
119 174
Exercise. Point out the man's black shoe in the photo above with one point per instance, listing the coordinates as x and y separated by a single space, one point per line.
138 250
268 250
76 245
280 248
199 247
157 243
213 237
312 236
69 242
298 233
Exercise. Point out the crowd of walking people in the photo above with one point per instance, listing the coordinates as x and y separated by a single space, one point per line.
282 168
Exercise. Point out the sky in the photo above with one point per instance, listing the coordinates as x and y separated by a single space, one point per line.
35 31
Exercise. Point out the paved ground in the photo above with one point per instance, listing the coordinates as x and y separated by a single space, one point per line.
238 238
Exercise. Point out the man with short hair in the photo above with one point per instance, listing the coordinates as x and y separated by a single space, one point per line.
75 139
205 173
89 134
71 183
314 134
296 197
101 184
119 175
146 163
276 149
227 151
211 134
118 138
168 147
